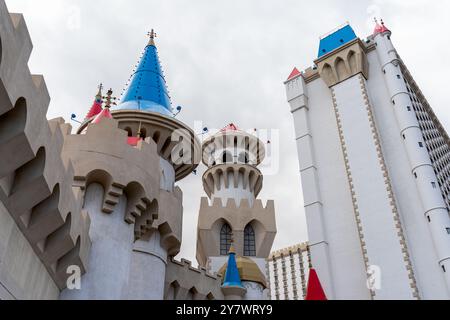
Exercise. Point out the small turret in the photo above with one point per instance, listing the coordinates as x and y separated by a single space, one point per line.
232 287
380 28
105 113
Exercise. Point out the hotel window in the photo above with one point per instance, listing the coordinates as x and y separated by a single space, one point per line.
225 239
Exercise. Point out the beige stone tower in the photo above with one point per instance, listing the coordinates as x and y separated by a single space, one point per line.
232 210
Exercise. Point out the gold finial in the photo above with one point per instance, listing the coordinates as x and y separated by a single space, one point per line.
109 99
152 36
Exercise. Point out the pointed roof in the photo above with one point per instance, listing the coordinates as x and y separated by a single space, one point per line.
230 127
380 28
97 105
293 74
315 290
105 113
147 89
336 39
232 277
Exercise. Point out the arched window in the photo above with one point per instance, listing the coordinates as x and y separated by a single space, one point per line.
225 239
227 157
243 157
249 242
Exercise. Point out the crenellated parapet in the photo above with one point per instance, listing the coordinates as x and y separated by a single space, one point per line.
175 141
35 182
184 282
101 155
233 175
213 215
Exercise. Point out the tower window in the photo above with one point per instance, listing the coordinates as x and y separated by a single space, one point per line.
404 137
393 102
415 175
409 108
249 242
421 144
443 269
398 76
433 184
243 157
429 219
448 230
227 157
225 239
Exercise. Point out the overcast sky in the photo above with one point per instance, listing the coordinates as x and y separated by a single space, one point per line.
225 61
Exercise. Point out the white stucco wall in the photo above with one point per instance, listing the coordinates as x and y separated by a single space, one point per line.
110 255
428 274
346 261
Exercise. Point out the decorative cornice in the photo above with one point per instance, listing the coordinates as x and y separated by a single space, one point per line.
252 178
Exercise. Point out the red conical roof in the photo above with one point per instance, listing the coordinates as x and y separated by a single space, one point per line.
293 74
230 127
97 105
379 28
315 290
105 113
95 109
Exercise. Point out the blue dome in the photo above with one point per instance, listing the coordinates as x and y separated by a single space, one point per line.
147 90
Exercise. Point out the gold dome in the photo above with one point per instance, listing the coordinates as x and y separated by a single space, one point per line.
248 271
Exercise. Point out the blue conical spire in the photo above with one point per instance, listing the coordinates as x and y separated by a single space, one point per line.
147 90
232 277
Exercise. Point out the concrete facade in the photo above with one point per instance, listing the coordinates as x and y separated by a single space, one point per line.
96 213
288 272
366 201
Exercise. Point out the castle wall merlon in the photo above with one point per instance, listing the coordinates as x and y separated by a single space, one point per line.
186 282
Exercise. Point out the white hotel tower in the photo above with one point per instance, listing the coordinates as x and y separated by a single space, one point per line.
375 168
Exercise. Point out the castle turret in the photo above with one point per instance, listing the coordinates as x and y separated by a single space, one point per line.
435 211
232 183
232 287
127 159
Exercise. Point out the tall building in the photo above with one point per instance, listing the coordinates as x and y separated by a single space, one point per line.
375 170
232 212
288 272
97 213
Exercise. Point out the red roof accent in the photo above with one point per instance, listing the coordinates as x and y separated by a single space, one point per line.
293 74
133 141
95 109
105 113
230 127
380 28
315 290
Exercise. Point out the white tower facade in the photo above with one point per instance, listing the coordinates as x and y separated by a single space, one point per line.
232 211
375 164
